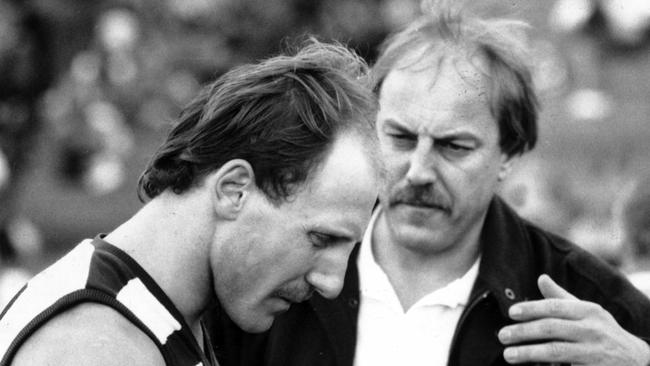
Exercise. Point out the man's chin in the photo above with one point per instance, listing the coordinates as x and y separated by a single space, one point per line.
262 319
418 233
256 326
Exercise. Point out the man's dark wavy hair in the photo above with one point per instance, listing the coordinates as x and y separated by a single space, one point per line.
281 115
493 45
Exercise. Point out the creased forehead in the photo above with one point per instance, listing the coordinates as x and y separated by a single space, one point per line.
430 59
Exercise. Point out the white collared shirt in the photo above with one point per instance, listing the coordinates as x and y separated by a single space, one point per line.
386 335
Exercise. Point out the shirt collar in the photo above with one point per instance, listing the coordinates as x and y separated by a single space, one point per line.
373 282
456 293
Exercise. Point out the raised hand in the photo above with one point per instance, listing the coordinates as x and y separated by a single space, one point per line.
562 328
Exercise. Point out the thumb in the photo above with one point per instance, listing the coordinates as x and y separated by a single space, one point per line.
551 290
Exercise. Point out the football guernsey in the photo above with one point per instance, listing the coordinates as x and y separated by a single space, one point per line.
96 271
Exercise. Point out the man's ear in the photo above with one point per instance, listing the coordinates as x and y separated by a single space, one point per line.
507 162
230 187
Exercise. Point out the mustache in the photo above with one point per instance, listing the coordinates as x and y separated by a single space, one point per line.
422 195
295 292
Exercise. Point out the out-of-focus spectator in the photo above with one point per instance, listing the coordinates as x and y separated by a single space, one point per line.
24 74
624 22
634 217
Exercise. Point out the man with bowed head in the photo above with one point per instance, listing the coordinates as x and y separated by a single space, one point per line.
257 197
447 273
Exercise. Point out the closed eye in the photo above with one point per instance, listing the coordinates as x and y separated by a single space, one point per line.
455 148
322 240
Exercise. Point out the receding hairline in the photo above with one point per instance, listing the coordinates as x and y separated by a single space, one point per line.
369 148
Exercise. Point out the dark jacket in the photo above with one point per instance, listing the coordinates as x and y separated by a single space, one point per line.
514 254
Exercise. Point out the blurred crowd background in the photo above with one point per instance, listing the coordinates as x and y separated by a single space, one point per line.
89 88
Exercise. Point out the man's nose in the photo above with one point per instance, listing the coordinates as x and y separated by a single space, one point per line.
422 163
329 271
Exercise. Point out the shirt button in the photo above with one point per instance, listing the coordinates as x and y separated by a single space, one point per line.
353 303
510 294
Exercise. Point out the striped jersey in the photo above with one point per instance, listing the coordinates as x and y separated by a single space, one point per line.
96 271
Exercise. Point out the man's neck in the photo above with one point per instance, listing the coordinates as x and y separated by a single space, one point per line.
169 239
415 274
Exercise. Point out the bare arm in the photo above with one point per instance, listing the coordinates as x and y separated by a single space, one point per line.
88 334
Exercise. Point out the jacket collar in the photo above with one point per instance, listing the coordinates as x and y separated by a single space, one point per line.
507 264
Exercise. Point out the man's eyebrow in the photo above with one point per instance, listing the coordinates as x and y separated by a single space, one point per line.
397 125
444 136
456 135
447 135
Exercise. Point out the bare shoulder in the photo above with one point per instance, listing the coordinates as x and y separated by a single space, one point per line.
88 334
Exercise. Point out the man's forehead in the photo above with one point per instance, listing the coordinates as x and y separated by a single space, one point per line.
430 58
344 185
348 158
454 89
431 68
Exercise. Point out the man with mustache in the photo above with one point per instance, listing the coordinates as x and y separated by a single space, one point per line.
257 197
447 273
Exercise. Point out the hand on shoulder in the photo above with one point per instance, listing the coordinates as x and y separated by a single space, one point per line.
88 334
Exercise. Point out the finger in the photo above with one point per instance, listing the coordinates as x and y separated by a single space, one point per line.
541 331
549 308
561 352
551 290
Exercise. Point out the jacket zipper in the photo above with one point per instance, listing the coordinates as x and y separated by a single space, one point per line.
465 314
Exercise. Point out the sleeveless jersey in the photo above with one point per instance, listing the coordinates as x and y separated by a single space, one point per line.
96 271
